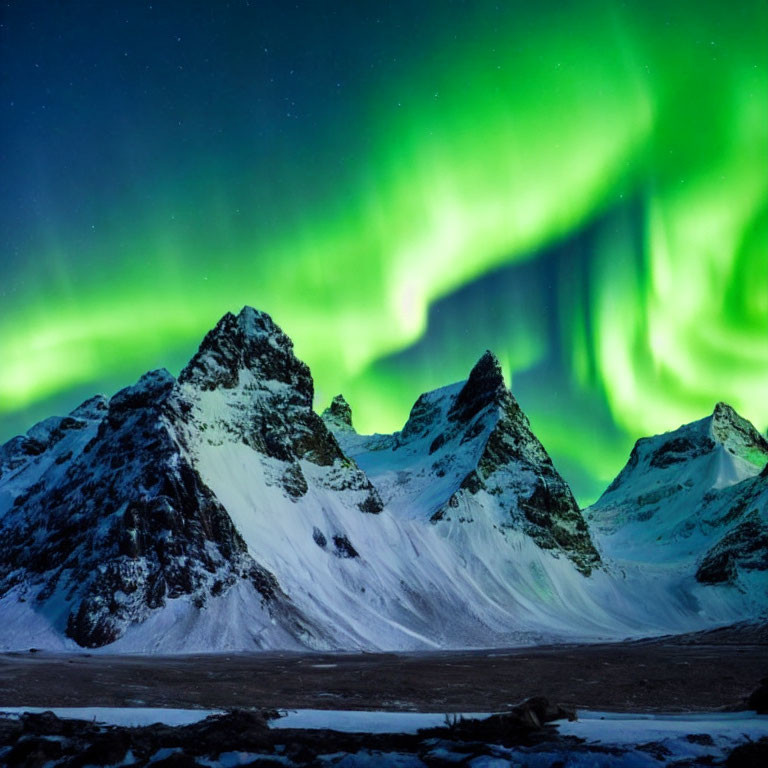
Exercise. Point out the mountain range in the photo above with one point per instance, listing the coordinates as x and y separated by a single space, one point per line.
218 511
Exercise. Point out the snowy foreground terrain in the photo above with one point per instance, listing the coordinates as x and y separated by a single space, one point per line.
316 737
217 511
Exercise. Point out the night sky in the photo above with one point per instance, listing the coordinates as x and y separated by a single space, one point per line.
580 186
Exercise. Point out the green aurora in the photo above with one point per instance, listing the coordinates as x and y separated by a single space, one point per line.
488 147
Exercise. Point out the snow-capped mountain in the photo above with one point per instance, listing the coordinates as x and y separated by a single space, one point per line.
108 522
466 458
691 507
217 510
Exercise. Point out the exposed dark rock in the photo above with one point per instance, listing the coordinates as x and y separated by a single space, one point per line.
265 582
423 416
754 754
552 516
250 341
484 386
130 524
344 547
371 504
703 739
657 494
294 482
472 483
33 753
680 449
743 547
656 750
520 726
439 515
556 523
319 538
80 744
727 424
437 443
240 729
106 748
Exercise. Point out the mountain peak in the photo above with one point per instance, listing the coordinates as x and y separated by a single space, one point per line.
720 449
484 386
339 413
722 408
724 416
250 341
487 367
253 322
738 435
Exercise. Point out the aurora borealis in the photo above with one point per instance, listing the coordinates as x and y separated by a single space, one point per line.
580 186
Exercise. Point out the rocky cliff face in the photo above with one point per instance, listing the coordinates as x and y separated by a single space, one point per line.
743 548
118 525
737 518
338 415
250 360
515 466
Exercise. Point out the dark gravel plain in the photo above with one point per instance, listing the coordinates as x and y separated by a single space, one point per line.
705 671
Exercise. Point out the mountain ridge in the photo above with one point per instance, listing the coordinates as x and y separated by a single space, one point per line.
222 499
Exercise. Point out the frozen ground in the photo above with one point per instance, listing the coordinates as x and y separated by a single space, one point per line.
361 721
130 717
376 738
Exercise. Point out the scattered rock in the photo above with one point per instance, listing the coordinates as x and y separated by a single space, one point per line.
703 739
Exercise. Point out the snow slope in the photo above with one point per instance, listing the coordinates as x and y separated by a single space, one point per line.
397 579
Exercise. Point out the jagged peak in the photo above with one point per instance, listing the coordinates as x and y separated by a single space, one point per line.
485 385
339 413
253 322
487 367
723 410
248 325
725 421
250 341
